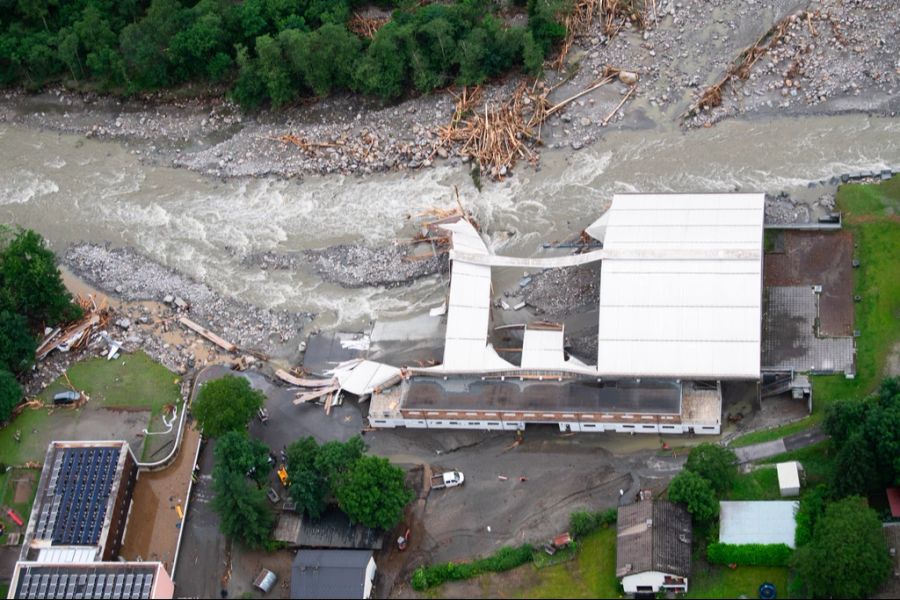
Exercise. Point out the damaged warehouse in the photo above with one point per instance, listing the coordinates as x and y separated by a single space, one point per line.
679 312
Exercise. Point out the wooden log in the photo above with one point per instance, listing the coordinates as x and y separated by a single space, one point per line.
314 395
209 335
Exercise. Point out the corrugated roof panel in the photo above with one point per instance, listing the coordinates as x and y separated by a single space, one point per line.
697 317
543 349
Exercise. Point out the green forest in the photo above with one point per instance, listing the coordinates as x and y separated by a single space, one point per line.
271 51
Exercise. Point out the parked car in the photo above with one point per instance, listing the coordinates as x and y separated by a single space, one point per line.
66 397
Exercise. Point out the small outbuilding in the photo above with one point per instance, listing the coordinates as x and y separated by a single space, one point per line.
789 474
332 574
653 547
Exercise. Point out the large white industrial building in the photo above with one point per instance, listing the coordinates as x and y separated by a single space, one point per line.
680 311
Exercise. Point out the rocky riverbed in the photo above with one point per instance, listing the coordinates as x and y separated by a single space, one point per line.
844 57
127 275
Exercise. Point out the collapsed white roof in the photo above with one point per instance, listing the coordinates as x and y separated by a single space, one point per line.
542 348
469 307
681 283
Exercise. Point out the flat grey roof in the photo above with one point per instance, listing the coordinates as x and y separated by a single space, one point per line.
329 573
573 396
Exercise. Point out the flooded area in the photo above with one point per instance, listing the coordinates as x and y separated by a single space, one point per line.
73 189
153 528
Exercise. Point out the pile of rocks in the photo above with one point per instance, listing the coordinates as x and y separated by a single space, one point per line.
128 275
356 265
559 293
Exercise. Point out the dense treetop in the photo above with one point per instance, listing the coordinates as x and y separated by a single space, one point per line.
270 50
226 404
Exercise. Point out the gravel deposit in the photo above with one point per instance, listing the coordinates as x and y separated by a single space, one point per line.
355 265
130 276
559 293
843 59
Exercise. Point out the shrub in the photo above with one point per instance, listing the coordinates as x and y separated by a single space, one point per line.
749 555
583 522
504 559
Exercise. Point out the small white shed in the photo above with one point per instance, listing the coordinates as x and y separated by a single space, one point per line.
789 478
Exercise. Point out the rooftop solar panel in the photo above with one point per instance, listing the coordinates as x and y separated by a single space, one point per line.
80 494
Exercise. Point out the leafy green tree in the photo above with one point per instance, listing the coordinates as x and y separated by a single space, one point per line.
308 486
144 44
30 282
316 471
10 394
193 47
331 55
17 345
273 71
544 22
243 509
334 459
383 70
882 429
226 404
867 436
373 493
717 464
250 89
471 54
239 453
847 557
843 418
697 495
854 468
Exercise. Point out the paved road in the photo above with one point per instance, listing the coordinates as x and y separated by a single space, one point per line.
811 436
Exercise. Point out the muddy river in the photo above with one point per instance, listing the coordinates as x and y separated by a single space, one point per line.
71 188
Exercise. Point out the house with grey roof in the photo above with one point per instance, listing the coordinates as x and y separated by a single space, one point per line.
332 574
653 547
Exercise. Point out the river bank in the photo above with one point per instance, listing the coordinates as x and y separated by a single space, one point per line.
841 58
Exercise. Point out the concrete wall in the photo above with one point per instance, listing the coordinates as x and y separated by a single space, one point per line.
575 426
163 586
650 581
370 578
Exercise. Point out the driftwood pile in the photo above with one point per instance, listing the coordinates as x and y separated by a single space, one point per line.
740 69
76 335
366 26
498 134
614 14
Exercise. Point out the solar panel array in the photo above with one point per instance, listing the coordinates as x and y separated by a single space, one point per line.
106 582
74 509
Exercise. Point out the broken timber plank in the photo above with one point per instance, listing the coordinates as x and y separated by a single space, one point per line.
209 335
307 383
314 395
329 402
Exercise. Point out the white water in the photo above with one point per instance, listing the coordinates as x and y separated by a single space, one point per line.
73 189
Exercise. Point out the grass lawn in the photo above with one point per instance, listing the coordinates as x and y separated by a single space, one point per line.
743 582
591 575
760 484
131 381
872 213
817 461
139 384
8 496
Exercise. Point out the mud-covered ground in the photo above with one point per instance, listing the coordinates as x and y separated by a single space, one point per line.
842 58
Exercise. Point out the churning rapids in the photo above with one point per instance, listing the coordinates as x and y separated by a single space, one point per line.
72 189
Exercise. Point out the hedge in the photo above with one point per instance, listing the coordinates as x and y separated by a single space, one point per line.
504 559
750 555
583 522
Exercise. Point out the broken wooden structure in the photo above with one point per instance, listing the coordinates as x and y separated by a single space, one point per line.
209 335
